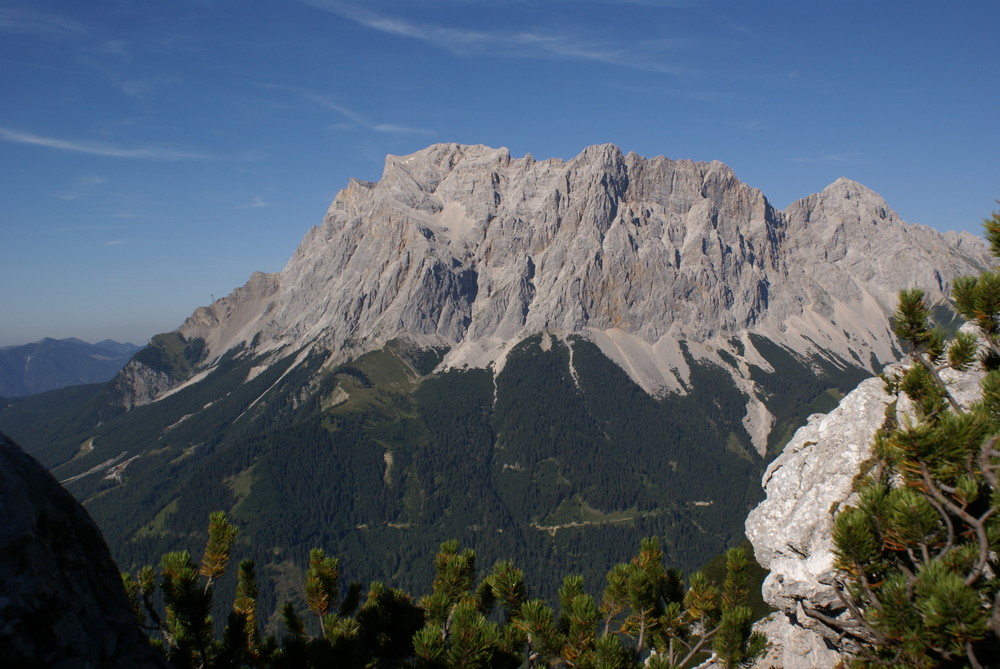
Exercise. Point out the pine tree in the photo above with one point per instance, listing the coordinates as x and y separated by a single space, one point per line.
917 557
322 585
735 642
221 536
186 627
645 617
245 634
458 632
385 626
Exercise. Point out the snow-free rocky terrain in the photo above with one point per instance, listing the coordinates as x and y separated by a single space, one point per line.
467 248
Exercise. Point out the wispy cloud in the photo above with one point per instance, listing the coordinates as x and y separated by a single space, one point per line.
113 58
256 203
527 43
89 227
100 149
349 114
645 3
361 120
139 88
28 21
115 47
116 242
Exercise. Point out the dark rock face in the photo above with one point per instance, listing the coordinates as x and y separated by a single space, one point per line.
62 603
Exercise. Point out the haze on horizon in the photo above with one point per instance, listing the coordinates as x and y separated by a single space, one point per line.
154 155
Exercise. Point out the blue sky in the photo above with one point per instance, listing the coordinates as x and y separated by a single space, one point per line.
154 154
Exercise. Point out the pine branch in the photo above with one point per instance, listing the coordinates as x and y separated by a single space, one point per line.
845 626
986 467
702 640
971 654
147 603
861 630
947 522
994 620
936 375
972 521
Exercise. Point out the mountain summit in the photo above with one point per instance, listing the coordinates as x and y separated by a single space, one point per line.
466 248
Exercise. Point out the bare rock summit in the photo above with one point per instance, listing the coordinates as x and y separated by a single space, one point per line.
467 248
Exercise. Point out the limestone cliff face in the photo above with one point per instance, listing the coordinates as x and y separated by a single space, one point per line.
62 603
464 244
467 247
138 384
791 530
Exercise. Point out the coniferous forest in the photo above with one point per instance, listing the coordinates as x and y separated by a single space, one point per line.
646 615
562 468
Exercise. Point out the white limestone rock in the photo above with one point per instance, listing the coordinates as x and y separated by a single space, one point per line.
467 247
794 647
138 384
465 243
791 530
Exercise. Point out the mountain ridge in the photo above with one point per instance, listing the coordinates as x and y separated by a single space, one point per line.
49 364
467 248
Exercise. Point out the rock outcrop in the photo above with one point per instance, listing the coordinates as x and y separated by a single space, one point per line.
138 384
791 530
62 603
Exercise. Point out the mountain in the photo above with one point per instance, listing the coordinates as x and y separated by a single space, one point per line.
466 248
49 364
546 360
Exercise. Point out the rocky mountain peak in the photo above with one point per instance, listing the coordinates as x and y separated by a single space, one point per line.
849 188
846 200
468 248
607 156
424 170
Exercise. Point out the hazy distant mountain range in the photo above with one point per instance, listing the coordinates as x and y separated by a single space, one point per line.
546 360
49 364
